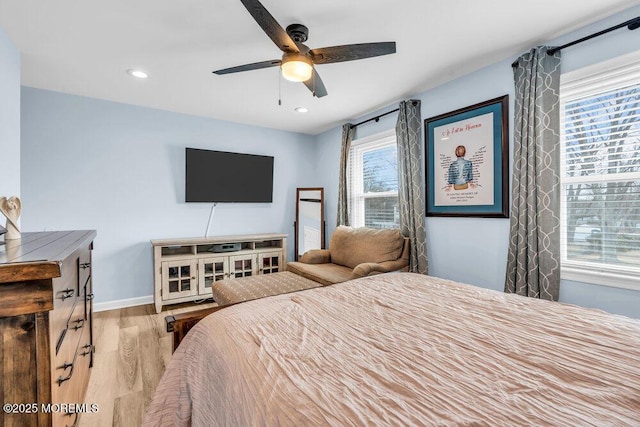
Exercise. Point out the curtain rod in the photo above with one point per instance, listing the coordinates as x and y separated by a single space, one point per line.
377 118
631 24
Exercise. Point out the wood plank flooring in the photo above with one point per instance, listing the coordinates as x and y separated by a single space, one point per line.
132 349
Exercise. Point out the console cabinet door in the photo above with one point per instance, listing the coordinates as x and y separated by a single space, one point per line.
242 266
211 270
269 262
179 279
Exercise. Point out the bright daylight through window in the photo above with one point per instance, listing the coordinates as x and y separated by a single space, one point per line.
373 182
600 134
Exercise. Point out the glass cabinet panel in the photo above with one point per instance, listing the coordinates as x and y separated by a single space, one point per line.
269 262
179 279
243 265
211 270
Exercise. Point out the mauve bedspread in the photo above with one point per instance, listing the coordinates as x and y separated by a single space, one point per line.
403 349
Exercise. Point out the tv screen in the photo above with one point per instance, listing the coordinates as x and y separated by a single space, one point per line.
219 176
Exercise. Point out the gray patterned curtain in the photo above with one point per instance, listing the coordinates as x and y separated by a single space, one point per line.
533 263
410 193
343 199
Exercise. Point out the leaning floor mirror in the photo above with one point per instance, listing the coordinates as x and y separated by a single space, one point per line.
309 222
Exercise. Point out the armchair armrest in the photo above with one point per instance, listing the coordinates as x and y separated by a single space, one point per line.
316 256
366 268
400 264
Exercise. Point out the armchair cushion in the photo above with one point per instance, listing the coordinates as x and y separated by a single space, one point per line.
352 246
325 274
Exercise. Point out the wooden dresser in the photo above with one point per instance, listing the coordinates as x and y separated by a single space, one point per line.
46 342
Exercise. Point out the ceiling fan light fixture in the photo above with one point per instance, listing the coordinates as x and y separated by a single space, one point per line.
296 67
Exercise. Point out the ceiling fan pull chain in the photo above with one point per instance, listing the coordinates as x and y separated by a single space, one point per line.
279 87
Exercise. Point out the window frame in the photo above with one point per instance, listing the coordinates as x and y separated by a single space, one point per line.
357 198
625 277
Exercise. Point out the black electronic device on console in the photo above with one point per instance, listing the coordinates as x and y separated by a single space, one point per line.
225 247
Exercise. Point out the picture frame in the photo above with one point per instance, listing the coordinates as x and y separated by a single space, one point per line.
467 161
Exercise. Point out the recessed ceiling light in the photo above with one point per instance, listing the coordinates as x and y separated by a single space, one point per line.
302 109
138 73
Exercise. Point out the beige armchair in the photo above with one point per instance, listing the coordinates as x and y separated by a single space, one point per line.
354 253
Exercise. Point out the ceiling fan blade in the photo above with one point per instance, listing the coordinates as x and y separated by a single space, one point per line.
270 26
249 67
315 85
350 52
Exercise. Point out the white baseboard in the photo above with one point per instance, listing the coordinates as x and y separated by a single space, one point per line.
122 303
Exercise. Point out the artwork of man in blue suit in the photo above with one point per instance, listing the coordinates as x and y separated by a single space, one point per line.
460 171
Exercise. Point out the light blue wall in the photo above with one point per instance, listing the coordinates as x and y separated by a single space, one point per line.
475 250
9 118
119 169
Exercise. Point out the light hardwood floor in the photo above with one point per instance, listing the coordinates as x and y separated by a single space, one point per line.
132 349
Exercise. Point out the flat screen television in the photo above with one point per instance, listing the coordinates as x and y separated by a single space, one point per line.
220 176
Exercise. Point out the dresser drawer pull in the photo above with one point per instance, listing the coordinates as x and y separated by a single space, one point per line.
89 348
67 293
66 365
79 324
75 422
85 265
89 297
61 379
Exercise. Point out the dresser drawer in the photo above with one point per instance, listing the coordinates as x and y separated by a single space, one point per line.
63 322
84 270
65 288
64 361
69 389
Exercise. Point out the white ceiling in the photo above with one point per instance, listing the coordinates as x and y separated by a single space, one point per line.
84 47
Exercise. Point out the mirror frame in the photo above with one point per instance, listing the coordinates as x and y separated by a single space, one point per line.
297 221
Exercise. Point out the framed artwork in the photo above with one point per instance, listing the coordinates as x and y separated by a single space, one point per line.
467 161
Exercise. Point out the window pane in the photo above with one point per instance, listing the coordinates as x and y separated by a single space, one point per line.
380 170
603 223
602 134
381 212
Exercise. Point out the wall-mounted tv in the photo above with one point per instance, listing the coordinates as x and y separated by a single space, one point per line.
220 176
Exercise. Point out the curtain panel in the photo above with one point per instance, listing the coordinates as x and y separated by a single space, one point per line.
348 131
533 263
410 190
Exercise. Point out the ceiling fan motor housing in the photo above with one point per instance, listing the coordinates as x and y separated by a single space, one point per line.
298 33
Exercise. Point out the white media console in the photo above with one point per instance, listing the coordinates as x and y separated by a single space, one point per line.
185 269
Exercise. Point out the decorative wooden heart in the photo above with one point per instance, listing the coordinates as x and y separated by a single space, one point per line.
11 208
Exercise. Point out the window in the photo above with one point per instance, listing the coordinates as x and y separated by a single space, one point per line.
373 182
600 177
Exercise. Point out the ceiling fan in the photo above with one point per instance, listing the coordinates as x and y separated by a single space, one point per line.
298 60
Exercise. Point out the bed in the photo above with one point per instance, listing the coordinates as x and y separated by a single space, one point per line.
403 349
